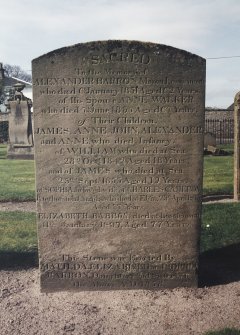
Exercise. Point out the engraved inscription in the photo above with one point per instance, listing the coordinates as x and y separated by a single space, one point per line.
119 138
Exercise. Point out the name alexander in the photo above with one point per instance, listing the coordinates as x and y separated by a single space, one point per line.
123 129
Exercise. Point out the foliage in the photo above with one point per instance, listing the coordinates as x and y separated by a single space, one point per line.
17 72
1 92
3 133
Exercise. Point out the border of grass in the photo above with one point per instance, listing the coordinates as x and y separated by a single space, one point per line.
220 228
17 178
220 225
225 331
3 151
218 175
18 232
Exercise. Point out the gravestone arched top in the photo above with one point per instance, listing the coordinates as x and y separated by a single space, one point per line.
237 99
119 129
111 46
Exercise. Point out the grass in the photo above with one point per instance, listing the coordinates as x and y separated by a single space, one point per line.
226 331
218 175
18 240
220 225
18 232
220 228
227 147
3 151
17 178
220 221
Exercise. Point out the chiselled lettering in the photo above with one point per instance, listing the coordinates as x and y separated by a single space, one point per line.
119 143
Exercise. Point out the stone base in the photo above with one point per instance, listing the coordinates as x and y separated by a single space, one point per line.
20 152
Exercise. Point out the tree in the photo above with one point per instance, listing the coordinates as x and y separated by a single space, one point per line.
17 72
1 94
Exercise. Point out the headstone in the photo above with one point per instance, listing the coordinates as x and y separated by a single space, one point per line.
237 147
209 139
20 126
119 129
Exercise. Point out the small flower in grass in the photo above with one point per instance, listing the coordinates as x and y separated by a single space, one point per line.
208 225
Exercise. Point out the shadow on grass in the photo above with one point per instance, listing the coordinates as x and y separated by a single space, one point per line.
14 260
220 266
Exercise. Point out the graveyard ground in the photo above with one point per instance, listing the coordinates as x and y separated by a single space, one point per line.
24 310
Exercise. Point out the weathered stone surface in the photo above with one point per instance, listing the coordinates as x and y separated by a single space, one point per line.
119 147
20 126
209 139
237 147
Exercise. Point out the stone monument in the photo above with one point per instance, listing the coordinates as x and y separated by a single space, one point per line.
210 140
119 131
20 125
237 147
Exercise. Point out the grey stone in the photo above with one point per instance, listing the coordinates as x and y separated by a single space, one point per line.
236 183
209 139
211 149
119 129
20 126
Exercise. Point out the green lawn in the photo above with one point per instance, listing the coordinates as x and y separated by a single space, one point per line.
17 178
218 175
18 232
220 221
220 228
3 151
227 147
226 331
220 225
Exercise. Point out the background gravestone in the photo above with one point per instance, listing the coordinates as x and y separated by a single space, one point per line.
20 126
209 139
119 154
237 147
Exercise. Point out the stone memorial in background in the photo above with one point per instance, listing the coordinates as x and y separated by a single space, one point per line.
119 130
237 147
209 140
20 144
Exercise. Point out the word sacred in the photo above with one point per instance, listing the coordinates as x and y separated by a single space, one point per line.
126 57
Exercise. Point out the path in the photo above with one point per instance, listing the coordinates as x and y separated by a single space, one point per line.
26 206
30 206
